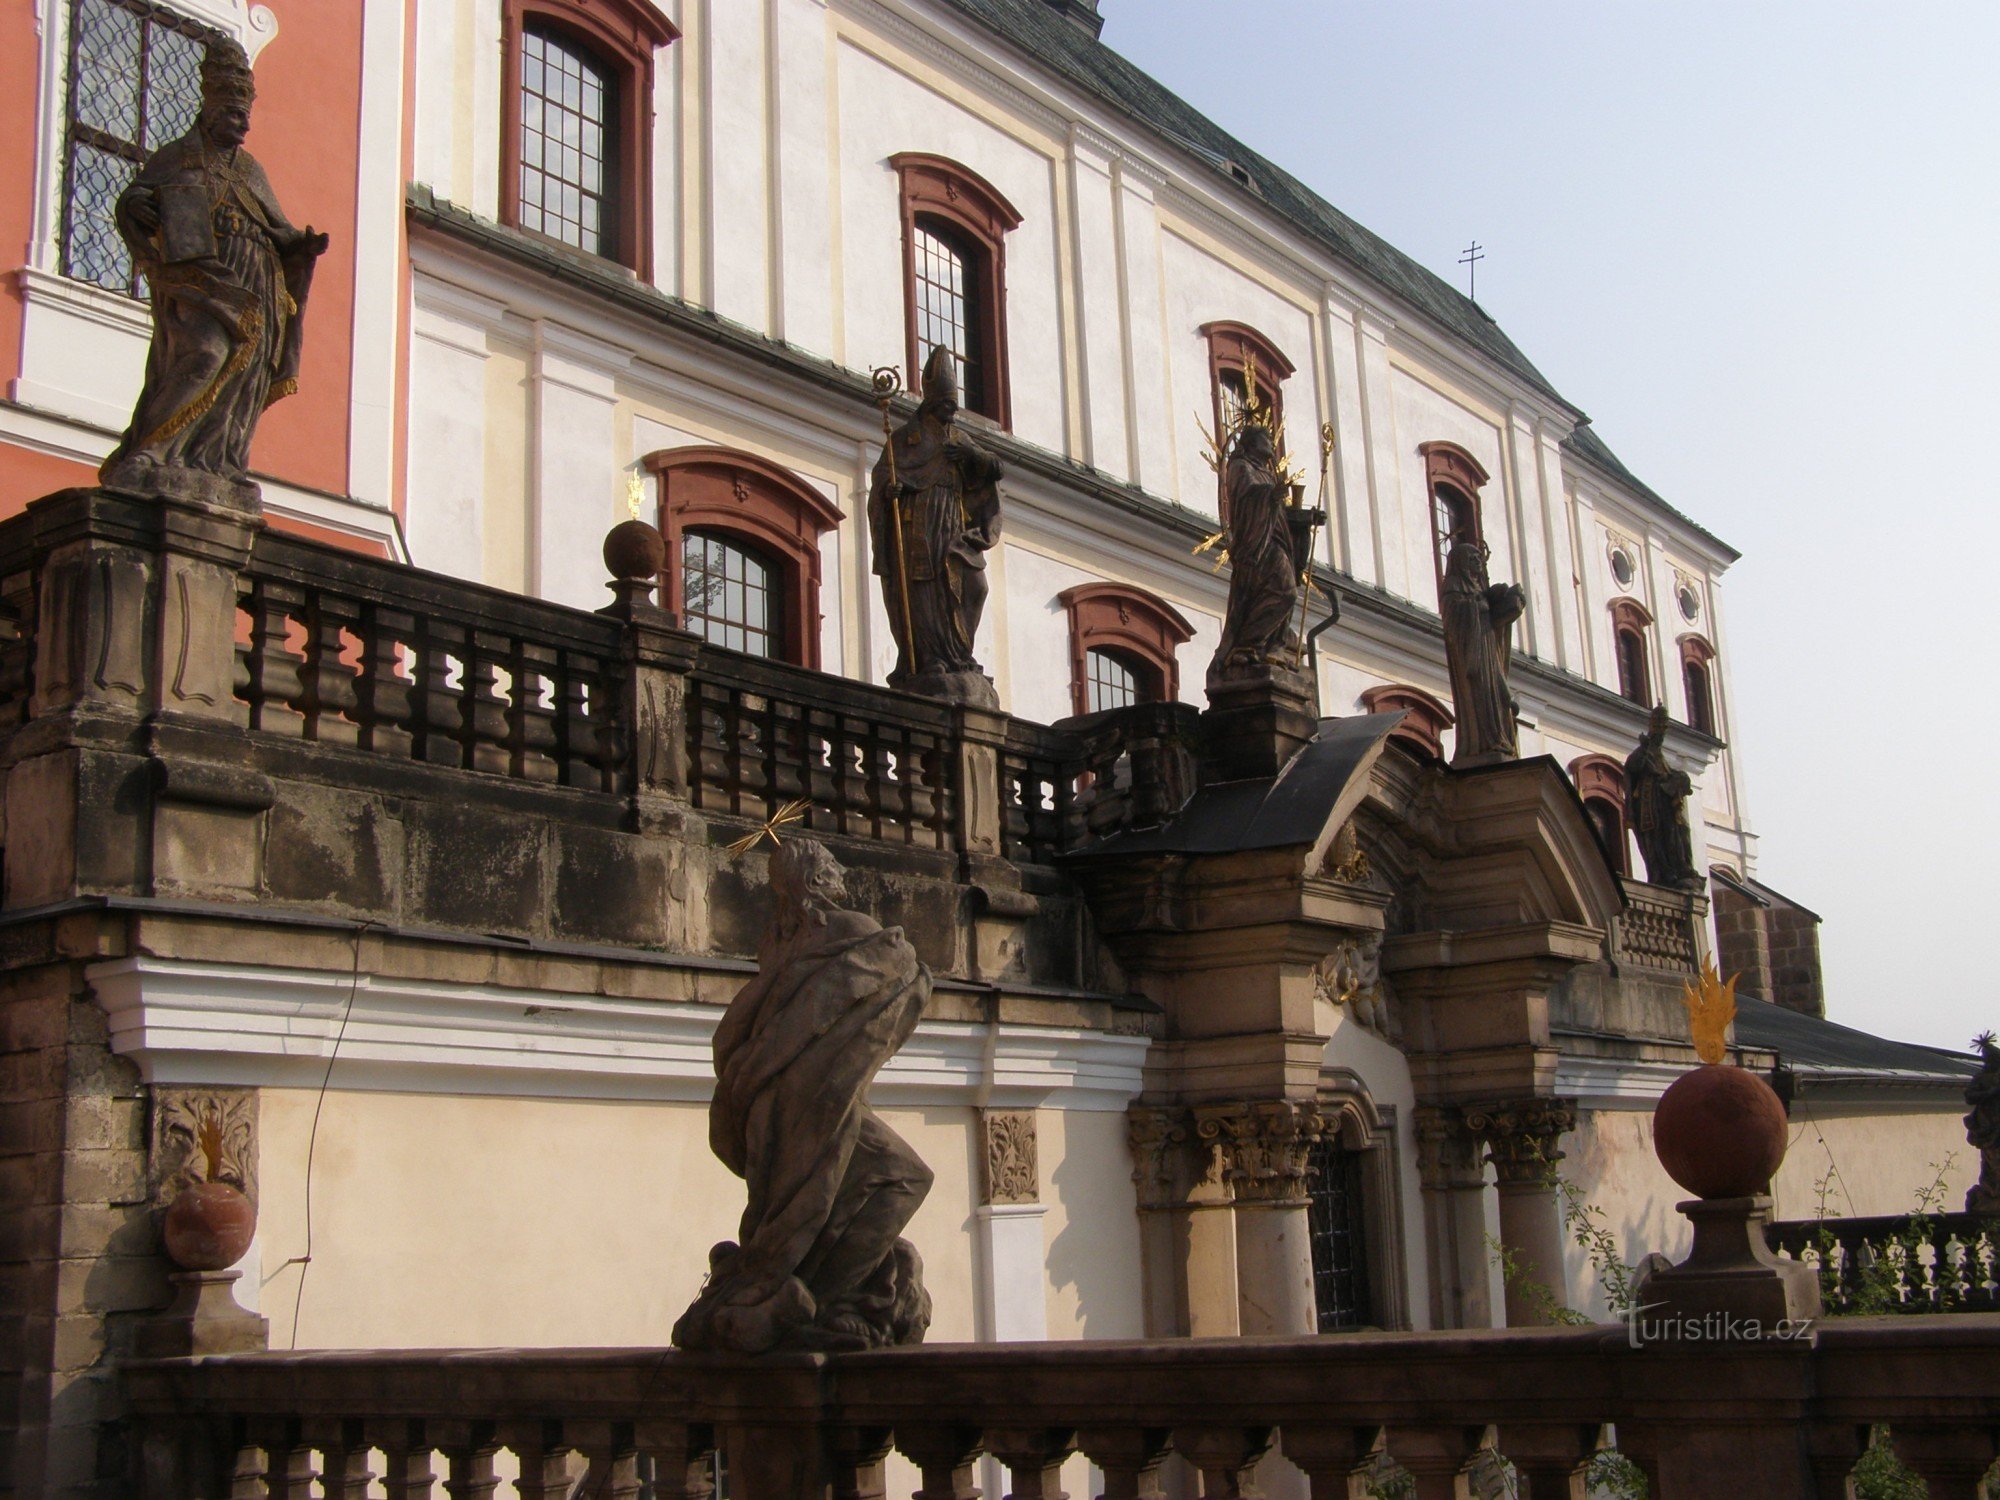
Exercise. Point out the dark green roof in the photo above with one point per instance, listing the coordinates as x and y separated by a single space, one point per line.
1070 51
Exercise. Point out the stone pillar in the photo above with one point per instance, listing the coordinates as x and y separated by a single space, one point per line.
1264 1149
1013 1295
1521 1141
1454 1186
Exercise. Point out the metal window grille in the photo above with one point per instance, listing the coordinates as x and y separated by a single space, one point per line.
1338 1229
1108 682
568 142
946 295
134 83
726 595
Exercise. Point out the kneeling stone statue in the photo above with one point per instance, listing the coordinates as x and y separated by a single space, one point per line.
818 1262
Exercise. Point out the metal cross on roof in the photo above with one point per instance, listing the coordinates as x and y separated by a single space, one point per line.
1470 260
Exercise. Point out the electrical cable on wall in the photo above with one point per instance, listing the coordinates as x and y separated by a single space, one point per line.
304 1262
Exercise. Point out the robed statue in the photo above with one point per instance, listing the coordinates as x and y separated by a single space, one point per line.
818 1262
1656 797
1269 540
228 275
1479 618
1982 1127
933 515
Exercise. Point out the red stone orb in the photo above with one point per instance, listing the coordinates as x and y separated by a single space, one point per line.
1720 1132
209 1227
634 551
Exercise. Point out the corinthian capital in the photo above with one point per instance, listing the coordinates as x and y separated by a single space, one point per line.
1521 1136
1262 1148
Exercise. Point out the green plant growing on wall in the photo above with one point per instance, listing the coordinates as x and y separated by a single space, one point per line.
1875 1285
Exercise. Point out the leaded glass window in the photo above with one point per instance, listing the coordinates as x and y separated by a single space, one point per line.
1109 683
569 109
727 594
134 84
947 275
1338 1230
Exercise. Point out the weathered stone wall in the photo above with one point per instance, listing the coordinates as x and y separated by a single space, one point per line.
77 1236
1773 944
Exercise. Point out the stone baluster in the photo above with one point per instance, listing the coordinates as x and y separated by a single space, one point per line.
470 1449
1227 1458
288 1460
346 1456
683 1459
1334 1459
247 1473
437 726
382 691
611 1452
1437 1457
858 1458
541 1453
1833 1449
943 1456
1951 1460
327 695
485 711
1553 1458
1129 1458
531 730
274 681
1033 1458
1521 1139
406 1459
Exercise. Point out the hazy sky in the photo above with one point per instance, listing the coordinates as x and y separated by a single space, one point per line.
1759 243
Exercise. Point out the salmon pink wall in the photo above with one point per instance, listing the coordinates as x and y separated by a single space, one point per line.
20 59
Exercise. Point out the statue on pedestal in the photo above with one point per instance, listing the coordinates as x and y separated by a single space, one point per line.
818 1262
1479 618
933 514
228 275
1656 794
1982 1127
1269 540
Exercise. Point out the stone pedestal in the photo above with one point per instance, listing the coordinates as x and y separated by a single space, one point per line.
1257 722
1730 1278
204 1318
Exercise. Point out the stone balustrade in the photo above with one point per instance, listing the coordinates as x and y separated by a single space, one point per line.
1660 928
1899 1263
1774 1418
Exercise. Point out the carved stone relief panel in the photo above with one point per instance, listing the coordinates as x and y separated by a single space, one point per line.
1011 1171
202 1135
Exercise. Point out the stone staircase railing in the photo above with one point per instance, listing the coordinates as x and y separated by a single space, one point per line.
1776 1418
1899 1263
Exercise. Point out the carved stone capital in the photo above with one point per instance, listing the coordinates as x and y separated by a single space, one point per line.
1010 1173
1447 1153
1521 1137
1159 1136
1263 1147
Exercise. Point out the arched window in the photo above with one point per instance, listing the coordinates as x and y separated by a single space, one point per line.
1698 680
1453 479
1241 359
1600 782
1425 719
1122 642
728 594
1629 624
577 112
955 226
743 559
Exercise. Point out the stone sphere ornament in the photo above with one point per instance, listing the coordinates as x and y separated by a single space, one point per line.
635 552
209 1227
1720 1132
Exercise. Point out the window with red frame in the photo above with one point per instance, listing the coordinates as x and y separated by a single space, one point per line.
1425 718
1698 680
1454 479
577 120
1122 644
1600 782
1629 624
743 559
1241 360
955 227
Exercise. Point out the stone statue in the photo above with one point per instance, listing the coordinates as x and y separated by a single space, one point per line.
818 1263
1656 794
1479 618
1269 540
228 274
1982 1127
933 514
